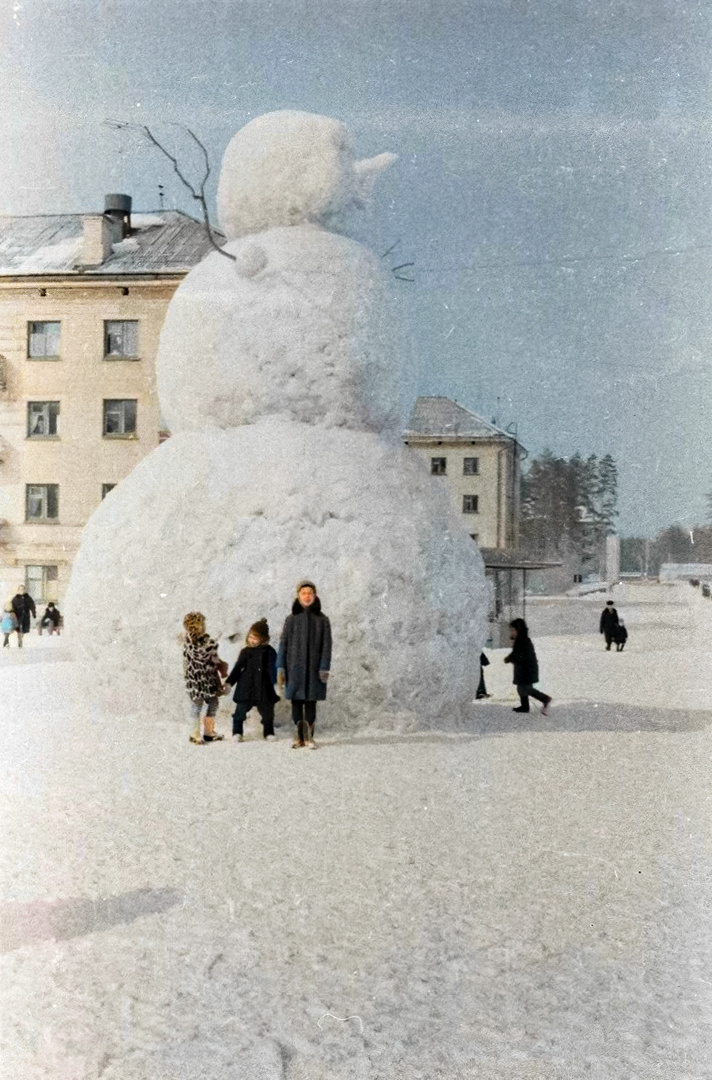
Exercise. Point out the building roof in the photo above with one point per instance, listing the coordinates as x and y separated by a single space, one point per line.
167 241
440 417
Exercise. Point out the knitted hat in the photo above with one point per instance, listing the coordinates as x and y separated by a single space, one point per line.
306 584
609 602
261 629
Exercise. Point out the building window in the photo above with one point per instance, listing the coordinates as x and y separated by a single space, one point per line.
43 340
438 466
469 504
42 419
42 502
470 466
41 583
106 488
119 418
121 339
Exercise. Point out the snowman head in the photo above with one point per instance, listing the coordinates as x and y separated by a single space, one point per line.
292 168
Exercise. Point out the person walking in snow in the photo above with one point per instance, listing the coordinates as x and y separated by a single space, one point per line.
8 625
304 661
608 623
202 668
254 676
620 635
23 605
526 667
482 689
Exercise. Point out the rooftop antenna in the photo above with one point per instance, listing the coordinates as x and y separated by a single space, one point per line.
160 196
494 418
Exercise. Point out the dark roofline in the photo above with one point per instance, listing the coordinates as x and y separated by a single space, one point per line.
100 213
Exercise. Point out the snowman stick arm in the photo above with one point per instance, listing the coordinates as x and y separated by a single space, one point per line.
198 195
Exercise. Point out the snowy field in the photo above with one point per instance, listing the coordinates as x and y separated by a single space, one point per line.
529 901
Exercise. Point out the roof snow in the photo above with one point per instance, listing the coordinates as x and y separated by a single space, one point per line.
444 418
169 242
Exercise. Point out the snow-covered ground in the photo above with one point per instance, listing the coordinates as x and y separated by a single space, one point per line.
526 902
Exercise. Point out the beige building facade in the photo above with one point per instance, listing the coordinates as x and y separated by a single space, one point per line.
82 302
479 462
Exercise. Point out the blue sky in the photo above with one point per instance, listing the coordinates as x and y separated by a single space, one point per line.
553 185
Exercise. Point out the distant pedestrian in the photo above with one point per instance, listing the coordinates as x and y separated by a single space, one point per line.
621 635
253 677
482 689
23 605
202 668
526 667
51 620
304 661
8 625
608 623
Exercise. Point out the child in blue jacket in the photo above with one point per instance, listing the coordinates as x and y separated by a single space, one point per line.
253 677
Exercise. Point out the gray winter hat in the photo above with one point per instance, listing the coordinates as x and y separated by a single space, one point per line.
305 584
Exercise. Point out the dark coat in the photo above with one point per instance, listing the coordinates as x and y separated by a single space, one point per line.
620 634
51 615
609 621
304 651
254 675
526 667
23 605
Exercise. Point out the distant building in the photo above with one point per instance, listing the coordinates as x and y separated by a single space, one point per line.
82 302
685 572
479 462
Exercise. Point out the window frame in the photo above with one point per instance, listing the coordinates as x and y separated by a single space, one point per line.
123 434
437 471
111 356
46 576
45 435
51 491
44 322
472 508
473 472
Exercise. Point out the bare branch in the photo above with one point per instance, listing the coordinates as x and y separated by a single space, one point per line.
198 195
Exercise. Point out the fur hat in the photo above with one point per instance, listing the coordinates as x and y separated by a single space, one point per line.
261 629
194 623
306 584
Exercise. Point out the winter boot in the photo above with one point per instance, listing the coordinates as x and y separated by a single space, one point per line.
310 737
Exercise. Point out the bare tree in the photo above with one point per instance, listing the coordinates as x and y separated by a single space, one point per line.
198 193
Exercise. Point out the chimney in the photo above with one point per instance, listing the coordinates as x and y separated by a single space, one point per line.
103 230
117 209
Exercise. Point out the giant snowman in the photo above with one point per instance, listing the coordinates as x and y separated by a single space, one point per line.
281 391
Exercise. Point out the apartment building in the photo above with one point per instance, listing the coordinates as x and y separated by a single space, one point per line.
480 463
82 302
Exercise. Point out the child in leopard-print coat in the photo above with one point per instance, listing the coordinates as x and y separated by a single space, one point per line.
203 670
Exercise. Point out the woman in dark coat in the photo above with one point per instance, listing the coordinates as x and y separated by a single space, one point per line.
23 605
304 660
526 667
253 677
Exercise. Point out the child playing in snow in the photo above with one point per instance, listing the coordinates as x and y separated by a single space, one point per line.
526 668
8 625
202 668
51 620
253 677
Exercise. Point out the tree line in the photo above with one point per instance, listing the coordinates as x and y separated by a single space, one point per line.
568 508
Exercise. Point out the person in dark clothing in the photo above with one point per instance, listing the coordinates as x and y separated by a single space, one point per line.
482 689
608 623
254 676
526 667
304 661
23 605
51 620
621 635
